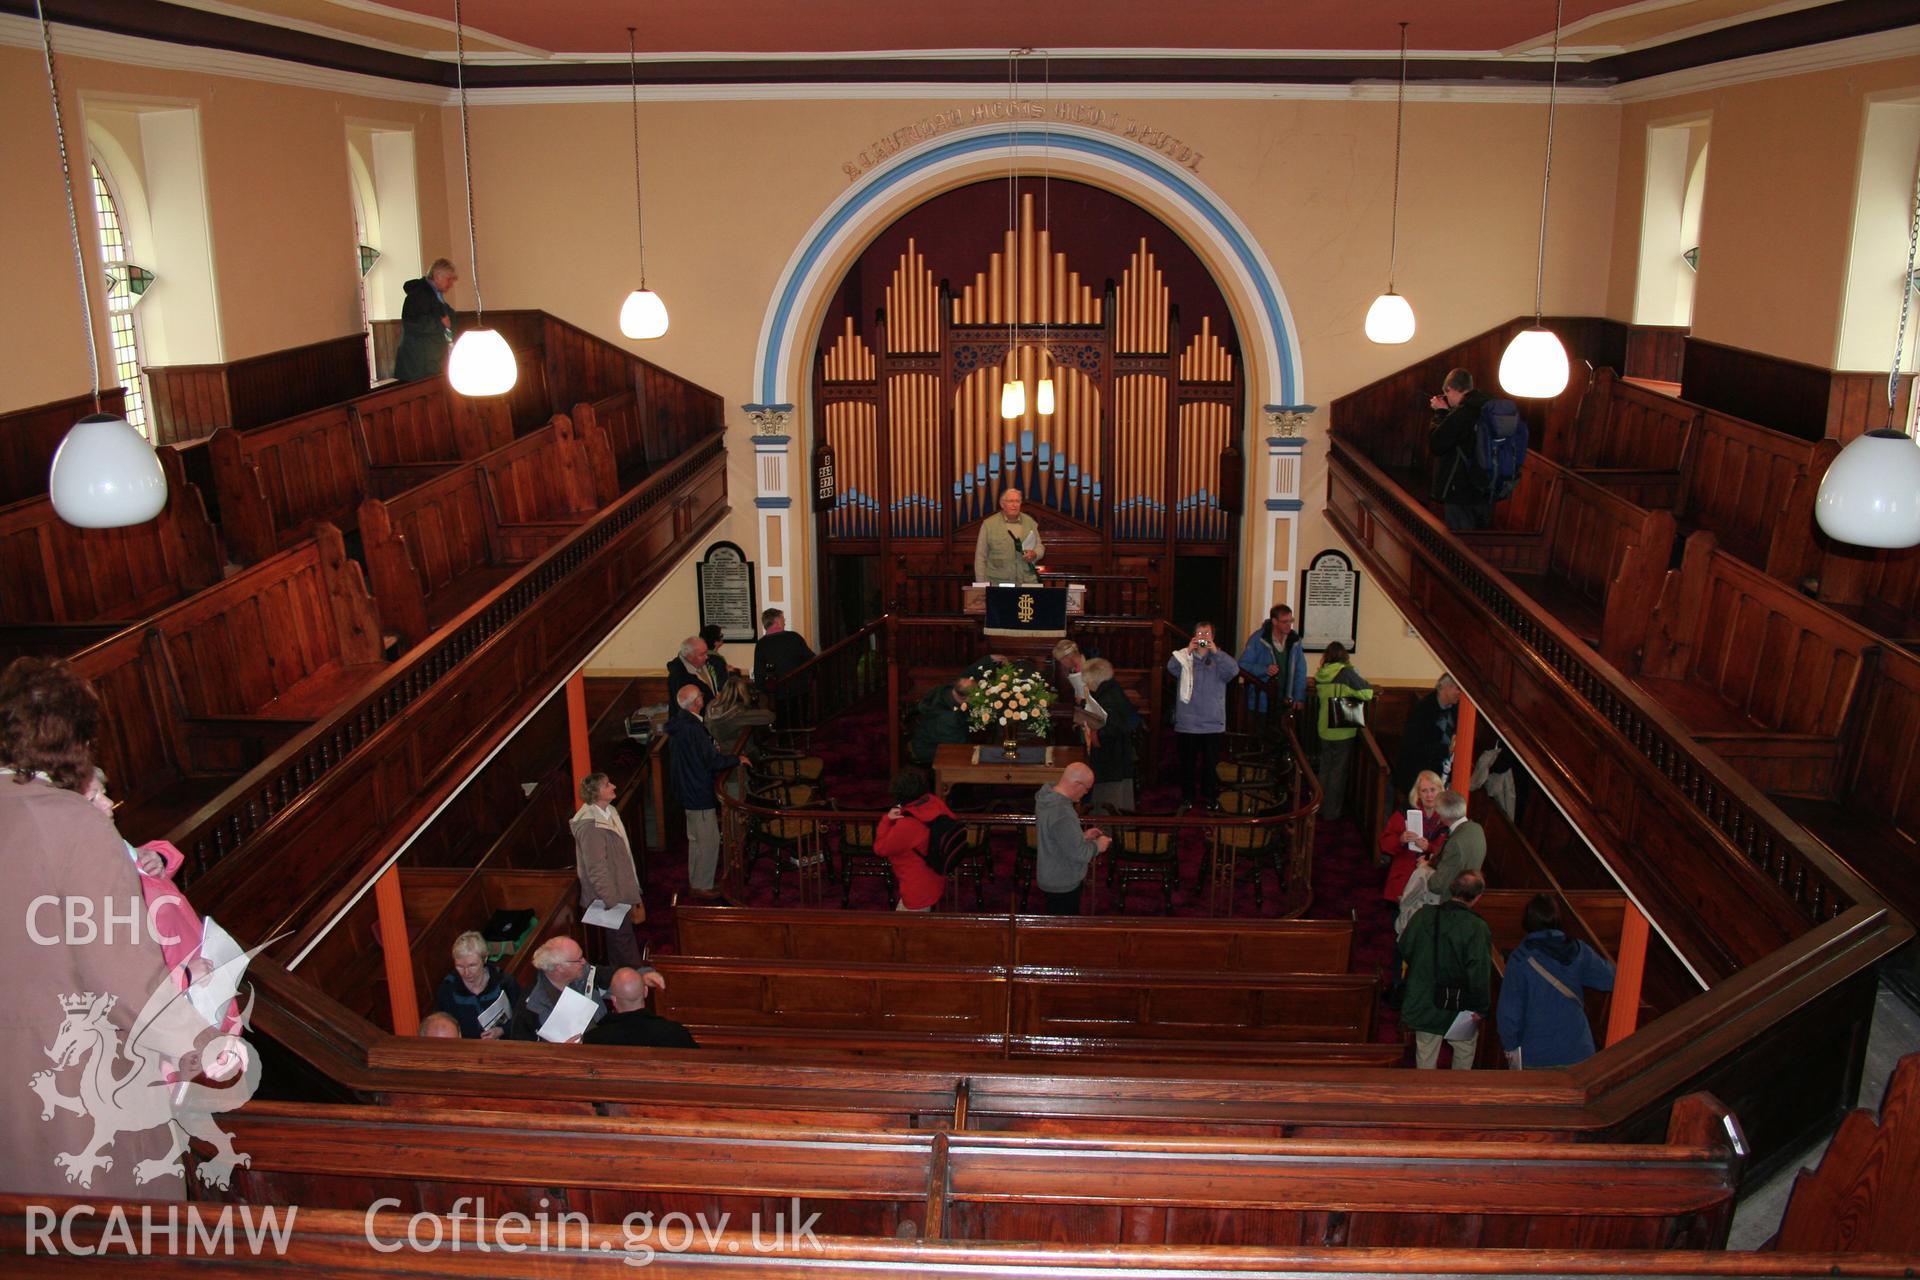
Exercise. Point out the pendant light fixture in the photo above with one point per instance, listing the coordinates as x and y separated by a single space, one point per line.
481 363
1535 364
1390 319
1013 391
642 315
1043 390
104 474
1870 496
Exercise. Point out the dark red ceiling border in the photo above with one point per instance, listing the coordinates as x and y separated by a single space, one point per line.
178 24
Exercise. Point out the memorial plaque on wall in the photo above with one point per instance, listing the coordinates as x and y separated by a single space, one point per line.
726 592
1330 602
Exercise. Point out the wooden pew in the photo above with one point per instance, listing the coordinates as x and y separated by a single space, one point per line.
1173 946
967 1185
1878 589
30 437
1751 486
1592 559
63 588
1023 1001
619 416
436 548
210 686
1770 680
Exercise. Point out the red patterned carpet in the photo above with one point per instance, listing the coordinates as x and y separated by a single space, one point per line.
1345 883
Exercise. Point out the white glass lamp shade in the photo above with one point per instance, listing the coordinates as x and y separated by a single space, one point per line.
1043 396
105 476
1389 320
1013 399
481 364
1870 496
643 315
1534 366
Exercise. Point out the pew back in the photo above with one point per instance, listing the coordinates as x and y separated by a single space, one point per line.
51 571
276 481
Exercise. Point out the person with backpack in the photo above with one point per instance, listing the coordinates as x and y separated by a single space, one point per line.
918 837
1336 681
1543 1006
1479 445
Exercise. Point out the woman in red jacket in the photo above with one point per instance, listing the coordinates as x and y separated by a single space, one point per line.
1404 848
901 838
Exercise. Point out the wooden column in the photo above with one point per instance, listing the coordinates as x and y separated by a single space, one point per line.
1463 744
1630 968
402 1000
577 727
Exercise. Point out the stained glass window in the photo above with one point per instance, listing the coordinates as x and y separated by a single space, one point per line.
120 323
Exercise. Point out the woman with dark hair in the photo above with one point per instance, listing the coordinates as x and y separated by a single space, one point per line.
77 970
1336 681
1543 1006
901 838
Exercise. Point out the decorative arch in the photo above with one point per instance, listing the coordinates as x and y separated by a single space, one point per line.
1209 225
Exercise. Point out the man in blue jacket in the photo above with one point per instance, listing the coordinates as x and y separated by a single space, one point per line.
697 765
1274 653
1200 714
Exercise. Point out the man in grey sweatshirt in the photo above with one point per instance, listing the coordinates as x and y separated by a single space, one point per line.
1060 868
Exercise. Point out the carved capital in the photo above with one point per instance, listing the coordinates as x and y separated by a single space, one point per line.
1287 421
771 419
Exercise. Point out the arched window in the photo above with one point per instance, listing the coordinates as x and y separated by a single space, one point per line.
121 295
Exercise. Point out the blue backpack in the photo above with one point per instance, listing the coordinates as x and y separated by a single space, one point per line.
1499 447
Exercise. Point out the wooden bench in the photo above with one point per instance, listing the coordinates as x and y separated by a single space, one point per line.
209 687
1878 589
1172 946
1751 486
63 588
1021 1001
618 415
1769 679
30 437
961 1184
1591 558
436 548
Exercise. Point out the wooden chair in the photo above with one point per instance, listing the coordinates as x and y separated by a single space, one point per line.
1144 857
1234 852
857 859
975 863
791 844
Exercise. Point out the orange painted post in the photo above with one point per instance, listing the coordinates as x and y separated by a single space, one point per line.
577 727
401 997
1630 967
1462 744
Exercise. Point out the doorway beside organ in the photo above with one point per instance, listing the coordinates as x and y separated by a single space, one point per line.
1203 589
850 596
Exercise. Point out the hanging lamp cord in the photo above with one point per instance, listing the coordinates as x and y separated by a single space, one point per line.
639 215
466 163
73 218
1906 307
1399 130
1546 181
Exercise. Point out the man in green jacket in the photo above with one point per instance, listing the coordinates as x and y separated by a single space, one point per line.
1448 949
943 718
1009 544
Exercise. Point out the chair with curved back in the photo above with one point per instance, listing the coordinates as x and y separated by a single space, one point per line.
791 844
1143 855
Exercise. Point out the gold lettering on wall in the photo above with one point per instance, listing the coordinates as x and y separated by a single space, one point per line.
1107 119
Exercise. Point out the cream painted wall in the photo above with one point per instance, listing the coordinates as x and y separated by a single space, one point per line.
282 221
732 189
1782 170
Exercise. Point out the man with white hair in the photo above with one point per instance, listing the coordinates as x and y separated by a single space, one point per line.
1060 864
562 964
439 1026
692 668
697 765
1427 740
1009 544
1466 847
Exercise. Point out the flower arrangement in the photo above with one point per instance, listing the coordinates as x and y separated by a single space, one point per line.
1011 699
